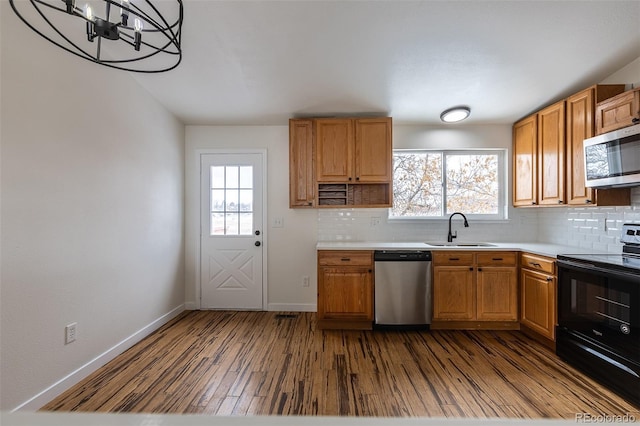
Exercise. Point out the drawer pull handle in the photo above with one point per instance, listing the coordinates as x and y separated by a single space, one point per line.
497 258
454 258
346 259
537 265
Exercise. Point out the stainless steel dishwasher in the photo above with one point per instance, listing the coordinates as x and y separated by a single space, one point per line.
402 289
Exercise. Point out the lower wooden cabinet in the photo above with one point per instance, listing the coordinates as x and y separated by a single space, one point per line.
538 295
475 290
345 289
453 293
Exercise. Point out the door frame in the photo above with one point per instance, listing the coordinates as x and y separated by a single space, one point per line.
265 236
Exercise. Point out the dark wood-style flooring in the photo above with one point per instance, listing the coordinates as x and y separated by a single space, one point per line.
269 363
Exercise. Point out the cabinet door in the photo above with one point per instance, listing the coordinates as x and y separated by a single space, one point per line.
345 293
551 151
453 293
538 302
497 293
334 150
301 164
580 126
373 151
618 112
525 162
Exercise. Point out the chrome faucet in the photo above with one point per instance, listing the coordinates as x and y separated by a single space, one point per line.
451 236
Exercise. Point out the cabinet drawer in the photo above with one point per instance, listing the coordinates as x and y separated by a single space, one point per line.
452 258
335 258
538 263
497 258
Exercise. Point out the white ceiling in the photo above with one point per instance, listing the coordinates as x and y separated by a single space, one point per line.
263 62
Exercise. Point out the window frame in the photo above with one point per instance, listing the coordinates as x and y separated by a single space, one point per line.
503 205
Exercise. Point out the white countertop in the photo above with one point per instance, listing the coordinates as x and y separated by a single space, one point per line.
551 250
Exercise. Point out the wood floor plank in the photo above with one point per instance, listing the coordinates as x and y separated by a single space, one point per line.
266 363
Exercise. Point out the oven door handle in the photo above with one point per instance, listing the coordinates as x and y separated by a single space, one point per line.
589 267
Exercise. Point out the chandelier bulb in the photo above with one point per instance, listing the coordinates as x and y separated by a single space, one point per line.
88 12
137 25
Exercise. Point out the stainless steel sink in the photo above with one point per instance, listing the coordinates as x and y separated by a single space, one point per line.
444 244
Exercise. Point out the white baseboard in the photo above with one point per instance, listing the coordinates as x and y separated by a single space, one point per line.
292 307
37 401
190 306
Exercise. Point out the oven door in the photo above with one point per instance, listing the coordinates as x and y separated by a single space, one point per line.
600 304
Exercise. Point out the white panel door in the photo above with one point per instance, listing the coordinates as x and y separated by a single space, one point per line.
231 248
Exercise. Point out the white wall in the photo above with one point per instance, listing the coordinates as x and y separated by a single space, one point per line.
92 185
291 249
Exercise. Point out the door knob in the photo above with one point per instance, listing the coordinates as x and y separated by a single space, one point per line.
258 243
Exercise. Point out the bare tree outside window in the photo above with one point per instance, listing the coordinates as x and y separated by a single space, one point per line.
436 184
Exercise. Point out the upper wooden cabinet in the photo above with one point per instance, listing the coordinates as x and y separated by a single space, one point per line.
580 117
373 150
620 111
525 161
551 151
353 150
334 150
350 162
538 158
548 158
301 164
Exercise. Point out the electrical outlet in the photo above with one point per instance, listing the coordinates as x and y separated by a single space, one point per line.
70 333
278 222
305 281
375 220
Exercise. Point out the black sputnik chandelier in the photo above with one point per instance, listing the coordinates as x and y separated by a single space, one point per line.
130 35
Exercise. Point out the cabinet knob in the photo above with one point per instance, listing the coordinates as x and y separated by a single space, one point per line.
533 203
479 269
560 201
471 269
636 120
357 177
549 279
588 201
349 178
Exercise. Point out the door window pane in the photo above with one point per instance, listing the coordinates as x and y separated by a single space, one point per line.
231 194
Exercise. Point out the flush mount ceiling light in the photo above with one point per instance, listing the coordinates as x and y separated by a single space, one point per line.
455 114
140 35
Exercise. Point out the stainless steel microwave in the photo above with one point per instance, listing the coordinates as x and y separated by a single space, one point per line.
613 159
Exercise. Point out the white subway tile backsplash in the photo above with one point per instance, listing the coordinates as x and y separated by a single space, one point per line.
595 228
